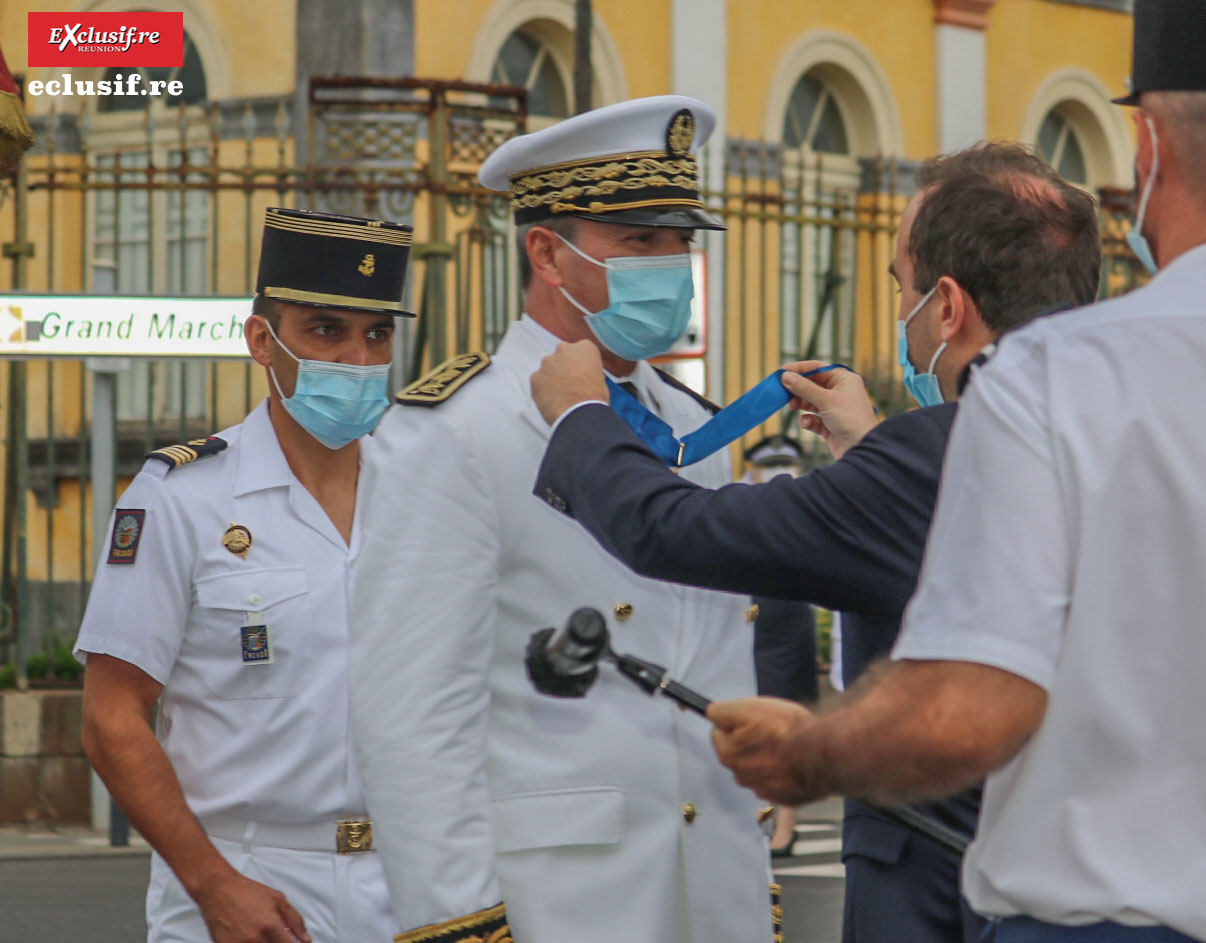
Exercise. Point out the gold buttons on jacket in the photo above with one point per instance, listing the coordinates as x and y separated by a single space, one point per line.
623 611
765 814
688 812
751 613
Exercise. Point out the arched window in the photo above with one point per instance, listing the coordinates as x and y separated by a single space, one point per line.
820 180
1059 145
190 74
813 119
528 61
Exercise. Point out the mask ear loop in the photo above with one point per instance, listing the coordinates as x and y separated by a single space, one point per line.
588 258
271 369
1151 177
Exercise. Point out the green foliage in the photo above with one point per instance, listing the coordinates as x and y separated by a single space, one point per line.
54 663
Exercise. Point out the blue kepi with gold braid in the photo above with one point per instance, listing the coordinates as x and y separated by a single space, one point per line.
334 261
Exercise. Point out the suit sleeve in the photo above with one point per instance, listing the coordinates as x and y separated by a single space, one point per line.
848 536
421 642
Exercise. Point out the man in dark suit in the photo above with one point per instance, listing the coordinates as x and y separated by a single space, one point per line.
992 239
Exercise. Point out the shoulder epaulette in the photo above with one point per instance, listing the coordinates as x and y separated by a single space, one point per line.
683 388
176 455
439 385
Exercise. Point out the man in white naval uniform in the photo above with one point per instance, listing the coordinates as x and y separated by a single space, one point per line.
598 819
223 597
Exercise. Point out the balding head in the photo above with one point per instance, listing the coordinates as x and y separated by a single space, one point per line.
1015 235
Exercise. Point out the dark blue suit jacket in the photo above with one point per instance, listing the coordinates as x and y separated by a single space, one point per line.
849 536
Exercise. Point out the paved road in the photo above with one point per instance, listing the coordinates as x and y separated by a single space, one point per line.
101 899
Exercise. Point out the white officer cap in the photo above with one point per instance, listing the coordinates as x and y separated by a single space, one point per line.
628 163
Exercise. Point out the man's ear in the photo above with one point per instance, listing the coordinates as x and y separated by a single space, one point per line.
1143 141
541 246
957 307
258 339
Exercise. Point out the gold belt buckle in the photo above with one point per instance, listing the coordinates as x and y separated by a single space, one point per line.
353 837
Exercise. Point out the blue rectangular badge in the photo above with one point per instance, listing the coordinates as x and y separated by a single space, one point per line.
257 644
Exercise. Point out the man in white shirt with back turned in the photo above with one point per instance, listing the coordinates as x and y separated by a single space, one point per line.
1056 638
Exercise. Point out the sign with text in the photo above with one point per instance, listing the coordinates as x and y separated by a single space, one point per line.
106 39
109 326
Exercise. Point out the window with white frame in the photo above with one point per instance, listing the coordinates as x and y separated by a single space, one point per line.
151 241
820 182
532 58
1060 145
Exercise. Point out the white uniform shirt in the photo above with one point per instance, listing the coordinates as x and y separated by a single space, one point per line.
594 819
266 742
1069 547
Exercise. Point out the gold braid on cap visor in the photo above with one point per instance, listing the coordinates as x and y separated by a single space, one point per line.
606 184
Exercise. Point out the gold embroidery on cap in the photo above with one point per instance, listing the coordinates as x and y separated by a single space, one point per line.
368 265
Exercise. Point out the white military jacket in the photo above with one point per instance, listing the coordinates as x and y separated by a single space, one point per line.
600 819
257 737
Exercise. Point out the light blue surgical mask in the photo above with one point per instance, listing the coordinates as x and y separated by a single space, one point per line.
336 403
648 303
924 387
1135 238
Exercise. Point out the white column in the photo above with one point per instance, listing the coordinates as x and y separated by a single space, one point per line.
960 71
699 68
962 86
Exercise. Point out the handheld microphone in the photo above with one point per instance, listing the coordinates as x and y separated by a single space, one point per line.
576 648
565 663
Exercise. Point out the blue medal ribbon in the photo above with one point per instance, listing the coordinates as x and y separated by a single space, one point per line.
749 410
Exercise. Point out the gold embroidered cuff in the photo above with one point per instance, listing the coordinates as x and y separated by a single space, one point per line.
776 913
485 926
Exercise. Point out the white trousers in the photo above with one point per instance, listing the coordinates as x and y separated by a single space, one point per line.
342 898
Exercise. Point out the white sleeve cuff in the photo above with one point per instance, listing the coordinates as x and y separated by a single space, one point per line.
585 402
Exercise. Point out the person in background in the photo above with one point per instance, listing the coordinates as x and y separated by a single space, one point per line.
785 630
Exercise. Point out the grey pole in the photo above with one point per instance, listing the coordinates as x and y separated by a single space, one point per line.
104 486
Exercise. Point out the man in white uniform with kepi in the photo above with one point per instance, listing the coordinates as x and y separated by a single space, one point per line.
223 597
1056 636
596 819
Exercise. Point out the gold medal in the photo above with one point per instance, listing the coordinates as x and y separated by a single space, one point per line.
237 540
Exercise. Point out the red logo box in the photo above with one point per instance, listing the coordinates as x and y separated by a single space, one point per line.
106 39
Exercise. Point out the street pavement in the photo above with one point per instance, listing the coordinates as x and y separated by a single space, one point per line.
66 885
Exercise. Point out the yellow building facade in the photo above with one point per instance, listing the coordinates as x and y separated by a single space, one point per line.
824 110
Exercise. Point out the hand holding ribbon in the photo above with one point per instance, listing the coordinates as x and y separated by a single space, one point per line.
836 403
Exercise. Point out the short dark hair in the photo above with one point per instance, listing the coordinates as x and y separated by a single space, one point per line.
564 226
267 309
1016 236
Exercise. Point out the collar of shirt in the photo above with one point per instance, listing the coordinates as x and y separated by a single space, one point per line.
641 376
262 464
1190 258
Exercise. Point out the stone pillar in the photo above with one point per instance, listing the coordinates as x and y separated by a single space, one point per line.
698 67
962 84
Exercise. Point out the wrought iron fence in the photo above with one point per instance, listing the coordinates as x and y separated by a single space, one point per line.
171 202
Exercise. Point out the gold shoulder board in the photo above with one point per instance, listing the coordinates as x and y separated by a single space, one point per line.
176 455
444 380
